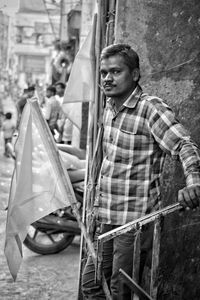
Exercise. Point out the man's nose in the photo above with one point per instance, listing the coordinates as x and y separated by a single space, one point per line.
108 77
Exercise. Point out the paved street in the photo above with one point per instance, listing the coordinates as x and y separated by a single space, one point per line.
40 277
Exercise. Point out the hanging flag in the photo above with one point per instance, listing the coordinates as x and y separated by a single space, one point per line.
40 183
80 86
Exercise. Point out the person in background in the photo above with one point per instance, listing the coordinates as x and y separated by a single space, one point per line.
60 90
52 109
64 124
138 131
31 91
27 94
8 128
22 101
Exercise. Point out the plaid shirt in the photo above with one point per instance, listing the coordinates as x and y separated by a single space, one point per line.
136 140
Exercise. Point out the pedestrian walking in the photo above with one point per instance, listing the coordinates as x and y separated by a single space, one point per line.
138 131
8 128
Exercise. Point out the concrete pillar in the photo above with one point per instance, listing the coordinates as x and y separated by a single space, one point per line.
64 36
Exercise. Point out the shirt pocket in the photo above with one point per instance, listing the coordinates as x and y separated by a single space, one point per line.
132 132
124 143
126 137
129 127
133 141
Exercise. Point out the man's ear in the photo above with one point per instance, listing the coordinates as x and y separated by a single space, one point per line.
136 74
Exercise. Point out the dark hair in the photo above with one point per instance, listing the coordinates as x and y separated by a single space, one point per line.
131 58
8 115
62 84
31 88
52 89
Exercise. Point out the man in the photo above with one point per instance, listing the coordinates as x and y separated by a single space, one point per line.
31 91
139 131
27 94
22 101
60 90
52 109
64 124
8 127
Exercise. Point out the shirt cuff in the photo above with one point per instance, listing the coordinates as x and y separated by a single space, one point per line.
193 179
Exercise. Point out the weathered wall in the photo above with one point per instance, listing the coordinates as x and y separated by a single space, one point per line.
166 35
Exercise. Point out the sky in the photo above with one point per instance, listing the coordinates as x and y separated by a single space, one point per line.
9 6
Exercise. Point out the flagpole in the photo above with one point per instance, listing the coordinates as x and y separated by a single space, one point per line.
95 130
92 137
89 154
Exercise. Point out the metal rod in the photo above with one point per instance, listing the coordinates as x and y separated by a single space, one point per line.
127 280
138 222
136 256
155 258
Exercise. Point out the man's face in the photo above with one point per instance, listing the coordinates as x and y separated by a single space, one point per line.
30 94
48 93
116 78
59 90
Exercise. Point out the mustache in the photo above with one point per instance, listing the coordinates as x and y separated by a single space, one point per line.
102 86
109 84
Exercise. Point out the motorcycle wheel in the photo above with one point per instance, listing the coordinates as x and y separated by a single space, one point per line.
47 242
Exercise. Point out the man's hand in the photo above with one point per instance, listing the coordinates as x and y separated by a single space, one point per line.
189 197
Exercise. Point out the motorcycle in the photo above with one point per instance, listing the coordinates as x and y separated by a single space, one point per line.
56 231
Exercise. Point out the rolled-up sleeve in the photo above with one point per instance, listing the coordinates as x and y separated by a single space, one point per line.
175 140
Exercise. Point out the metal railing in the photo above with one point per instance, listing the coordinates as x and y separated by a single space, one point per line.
128 281
132 283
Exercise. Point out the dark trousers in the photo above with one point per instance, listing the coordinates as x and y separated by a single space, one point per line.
117 253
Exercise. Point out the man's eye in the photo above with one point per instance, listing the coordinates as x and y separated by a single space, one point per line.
116 72
103 74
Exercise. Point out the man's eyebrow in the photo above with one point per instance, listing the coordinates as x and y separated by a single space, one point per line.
102 69
110 69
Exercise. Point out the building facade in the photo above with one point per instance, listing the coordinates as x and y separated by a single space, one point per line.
36 28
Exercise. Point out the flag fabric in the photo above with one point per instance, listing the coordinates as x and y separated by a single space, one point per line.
80 86
40 183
